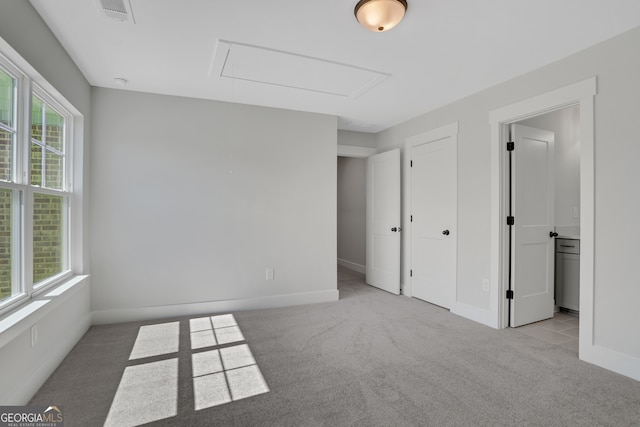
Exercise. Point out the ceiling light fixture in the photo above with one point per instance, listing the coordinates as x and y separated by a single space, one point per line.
380 15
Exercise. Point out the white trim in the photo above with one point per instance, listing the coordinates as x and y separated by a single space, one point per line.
447 131
582 94
612 360
450 130
19 321
352 266
54 357
77 248
549 101
355 151
579 93
623 364
101 317
30 83
473 313
587 230
10 54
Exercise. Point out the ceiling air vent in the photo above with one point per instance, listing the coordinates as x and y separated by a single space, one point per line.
117 10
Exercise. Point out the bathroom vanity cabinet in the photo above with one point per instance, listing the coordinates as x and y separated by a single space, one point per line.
567 274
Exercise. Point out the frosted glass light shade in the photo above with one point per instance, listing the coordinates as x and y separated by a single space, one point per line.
380 15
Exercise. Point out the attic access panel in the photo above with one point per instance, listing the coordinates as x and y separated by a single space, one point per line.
274 67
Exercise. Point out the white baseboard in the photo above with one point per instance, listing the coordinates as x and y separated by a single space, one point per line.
352 266
476 314
101 317
612 360
54 356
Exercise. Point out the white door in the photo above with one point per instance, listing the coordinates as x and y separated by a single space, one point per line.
532 203
434 221
383 221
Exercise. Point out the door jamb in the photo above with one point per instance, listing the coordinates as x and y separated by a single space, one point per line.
581 94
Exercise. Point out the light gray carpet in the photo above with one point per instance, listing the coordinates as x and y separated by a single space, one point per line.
370 359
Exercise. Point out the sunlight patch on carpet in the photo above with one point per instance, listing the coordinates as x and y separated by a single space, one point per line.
147 392
156 340
207 362
210 390
229 335
214 330
246 382
224 375
222 366
202 339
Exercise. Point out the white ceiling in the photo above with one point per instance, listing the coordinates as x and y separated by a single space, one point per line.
442 51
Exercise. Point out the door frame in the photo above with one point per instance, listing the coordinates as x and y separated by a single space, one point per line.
447 131
578 94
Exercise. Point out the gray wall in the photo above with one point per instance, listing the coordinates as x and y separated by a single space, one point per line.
359 139
352 174
193 200
23 368
565 124
616 63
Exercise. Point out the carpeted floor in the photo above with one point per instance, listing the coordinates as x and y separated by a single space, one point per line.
370 359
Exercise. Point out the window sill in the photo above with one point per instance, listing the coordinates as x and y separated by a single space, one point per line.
52 283
22 318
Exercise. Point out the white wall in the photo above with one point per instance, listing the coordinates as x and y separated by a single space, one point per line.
358 139
193 200
565 124
23 368
352 220
616 63
60 325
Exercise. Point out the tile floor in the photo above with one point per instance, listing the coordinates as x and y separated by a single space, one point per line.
561 330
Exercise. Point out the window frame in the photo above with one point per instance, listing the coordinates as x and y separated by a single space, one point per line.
67 131
18 123
24 192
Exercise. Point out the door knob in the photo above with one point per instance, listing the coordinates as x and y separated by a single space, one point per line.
553 234
445 232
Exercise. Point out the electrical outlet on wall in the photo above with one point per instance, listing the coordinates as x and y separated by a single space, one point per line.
269 274
485 285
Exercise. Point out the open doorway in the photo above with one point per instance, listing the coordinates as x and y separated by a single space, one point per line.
581 95
565 124
545 235
351 215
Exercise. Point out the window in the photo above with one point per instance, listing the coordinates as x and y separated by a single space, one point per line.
47 145
47 171
8 84
7 123
35 191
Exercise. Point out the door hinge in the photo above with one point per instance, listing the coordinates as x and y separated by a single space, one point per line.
411 218
511 220
411 164
509 294
511 146
410 273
